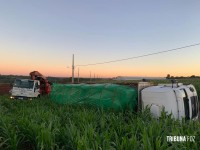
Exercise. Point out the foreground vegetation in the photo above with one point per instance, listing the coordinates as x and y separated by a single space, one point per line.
41 124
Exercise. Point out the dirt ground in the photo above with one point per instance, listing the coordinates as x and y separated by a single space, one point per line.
4 88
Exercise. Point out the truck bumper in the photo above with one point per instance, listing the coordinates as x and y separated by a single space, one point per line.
20 97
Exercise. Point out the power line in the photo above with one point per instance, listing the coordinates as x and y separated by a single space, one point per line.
135 57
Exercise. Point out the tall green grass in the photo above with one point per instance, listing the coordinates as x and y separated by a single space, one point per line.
41 124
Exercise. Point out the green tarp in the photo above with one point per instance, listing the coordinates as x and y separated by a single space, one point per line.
107 96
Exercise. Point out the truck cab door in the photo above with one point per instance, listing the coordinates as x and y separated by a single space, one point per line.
36 89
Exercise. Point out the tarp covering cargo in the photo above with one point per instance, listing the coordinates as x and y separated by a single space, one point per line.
107 96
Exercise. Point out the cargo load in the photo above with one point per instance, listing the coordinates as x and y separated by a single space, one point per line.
106 96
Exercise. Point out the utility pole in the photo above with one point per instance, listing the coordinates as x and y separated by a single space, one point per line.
73 69
78 75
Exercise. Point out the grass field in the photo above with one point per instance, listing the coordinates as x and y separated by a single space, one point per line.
42 124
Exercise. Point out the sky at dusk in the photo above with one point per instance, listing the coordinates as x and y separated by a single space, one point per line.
43 34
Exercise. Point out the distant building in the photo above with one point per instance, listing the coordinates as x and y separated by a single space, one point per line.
137 78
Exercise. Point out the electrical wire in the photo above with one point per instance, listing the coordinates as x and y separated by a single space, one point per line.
135 57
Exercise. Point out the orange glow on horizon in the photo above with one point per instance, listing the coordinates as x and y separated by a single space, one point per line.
57 73
54 69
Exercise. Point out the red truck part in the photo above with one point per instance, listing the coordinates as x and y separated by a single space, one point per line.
45 87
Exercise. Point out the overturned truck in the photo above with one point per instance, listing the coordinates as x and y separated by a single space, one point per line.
178 99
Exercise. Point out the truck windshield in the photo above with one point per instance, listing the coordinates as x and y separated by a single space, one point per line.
23 83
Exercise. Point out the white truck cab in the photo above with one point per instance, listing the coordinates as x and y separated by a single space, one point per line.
178 99
25 89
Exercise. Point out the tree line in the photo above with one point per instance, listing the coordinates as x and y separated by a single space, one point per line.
181 77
